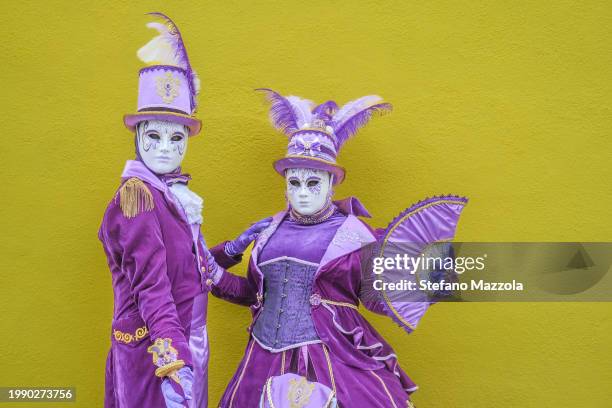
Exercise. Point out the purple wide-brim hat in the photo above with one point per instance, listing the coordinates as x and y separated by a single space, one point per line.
193 124
305 162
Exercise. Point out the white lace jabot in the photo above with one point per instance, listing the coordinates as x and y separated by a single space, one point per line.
191 202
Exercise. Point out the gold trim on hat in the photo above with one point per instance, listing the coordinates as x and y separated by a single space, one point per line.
163 112
310 158
194 128
297 156
313 129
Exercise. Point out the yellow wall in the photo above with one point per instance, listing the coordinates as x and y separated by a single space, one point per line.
505 102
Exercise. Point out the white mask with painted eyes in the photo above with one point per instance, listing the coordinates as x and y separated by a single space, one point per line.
308 190
162 145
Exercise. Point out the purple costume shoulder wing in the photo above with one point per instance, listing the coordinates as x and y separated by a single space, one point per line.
418 230
431 220
351 205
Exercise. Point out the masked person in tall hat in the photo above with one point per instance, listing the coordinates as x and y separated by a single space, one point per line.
308 344
156 253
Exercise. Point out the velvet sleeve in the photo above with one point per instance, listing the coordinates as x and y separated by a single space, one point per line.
236 289
370 299
143 262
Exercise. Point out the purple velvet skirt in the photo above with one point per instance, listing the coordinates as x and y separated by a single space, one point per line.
354 387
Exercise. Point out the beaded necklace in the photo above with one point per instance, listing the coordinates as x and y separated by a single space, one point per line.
315 218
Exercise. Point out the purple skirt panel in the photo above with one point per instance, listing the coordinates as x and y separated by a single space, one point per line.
353 386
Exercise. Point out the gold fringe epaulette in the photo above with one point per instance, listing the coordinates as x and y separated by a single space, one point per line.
135 198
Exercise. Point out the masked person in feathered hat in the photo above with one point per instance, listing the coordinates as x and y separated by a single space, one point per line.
308 344
155 250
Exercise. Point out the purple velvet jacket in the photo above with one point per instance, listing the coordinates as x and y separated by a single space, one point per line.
336 290
159 280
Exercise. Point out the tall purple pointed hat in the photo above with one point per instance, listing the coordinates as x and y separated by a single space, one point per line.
317 133
168 85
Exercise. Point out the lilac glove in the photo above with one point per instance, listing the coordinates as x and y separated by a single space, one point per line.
241 243
174 399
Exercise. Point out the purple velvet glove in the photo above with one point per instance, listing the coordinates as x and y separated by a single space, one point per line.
241 243
171 396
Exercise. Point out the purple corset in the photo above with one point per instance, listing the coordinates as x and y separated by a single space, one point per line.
285 320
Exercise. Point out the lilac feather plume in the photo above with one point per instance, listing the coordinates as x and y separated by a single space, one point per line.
325 111
356 114
302 109
168 48
288 114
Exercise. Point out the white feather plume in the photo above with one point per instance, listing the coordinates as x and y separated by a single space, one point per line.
161 49
354 107
302 109
196 82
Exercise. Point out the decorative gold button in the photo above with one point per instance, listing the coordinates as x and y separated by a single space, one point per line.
209 282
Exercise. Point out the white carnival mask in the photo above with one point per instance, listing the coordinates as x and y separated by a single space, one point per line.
161 144
308 190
